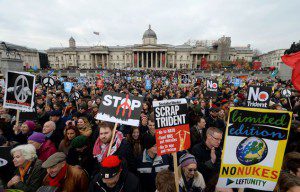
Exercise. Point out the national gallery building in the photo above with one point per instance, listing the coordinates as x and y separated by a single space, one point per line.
148 55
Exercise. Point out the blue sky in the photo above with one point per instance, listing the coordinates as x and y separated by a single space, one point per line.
266 25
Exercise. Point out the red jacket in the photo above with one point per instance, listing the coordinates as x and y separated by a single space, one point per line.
46 150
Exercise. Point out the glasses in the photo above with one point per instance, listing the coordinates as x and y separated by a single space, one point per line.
192 170
217 139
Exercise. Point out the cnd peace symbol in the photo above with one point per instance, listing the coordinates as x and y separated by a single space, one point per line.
21 90
48 81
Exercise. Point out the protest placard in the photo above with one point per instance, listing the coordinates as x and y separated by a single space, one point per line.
148 85
120 108
254 146
259 96
68 86
172 128
20 90
211 88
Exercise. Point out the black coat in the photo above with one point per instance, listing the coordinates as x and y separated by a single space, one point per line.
204 164
196 136
128 182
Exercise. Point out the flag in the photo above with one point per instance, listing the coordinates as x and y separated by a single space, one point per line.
96 33
293 61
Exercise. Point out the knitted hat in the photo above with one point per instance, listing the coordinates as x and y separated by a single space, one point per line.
148 141
79 141
187 159
110 166
37 137
30 124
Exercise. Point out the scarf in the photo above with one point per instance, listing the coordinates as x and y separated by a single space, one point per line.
56 181
25 170
100 149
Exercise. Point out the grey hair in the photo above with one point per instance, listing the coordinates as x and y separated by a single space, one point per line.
52 123
28 151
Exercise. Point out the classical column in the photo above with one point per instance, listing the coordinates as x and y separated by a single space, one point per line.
125 60
156 60
107 61
138 60
142 59
147 60
96 61
196 60
151 59
174 61
160 59
102 60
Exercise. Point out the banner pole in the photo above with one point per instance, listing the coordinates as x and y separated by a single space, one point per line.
176 171
241 190
291 107
210 103
112 139
47 97
17 117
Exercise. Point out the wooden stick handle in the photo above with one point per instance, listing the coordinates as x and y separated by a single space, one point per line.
112 139
47 97
176 171
17 117
241 190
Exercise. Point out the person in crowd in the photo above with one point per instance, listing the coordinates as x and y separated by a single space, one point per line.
6 128
80 154
119 147
134 138
190 179
84 126
70 133
45 148
49 130
149 164
114 176
62 176
42 116
165 181
198 131
289 182
6 169
60 124
213 119
22 133
208 153
29 174
291 163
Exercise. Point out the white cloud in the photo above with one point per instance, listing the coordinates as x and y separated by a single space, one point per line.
266 25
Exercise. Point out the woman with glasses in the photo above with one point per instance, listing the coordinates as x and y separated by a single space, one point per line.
190 180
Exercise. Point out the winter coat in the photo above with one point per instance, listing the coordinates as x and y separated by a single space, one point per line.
34 179
198 183
196 136
148 170
204 164
46 150
128 182
75 180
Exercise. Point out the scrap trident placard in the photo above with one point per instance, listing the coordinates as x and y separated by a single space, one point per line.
172 129
254 147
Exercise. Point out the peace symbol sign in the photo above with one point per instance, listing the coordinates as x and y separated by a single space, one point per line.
22 91
48 81
286 93
75 95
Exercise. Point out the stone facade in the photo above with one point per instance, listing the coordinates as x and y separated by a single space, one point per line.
272 58
29 56
148 55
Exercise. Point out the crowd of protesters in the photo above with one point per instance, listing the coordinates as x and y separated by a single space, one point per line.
62 147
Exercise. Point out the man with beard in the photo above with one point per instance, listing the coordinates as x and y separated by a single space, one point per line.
213 119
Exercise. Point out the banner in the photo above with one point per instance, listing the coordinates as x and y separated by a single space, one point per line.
259 96
237 82
120 108
20 90
211 88
172 129
2 83
254 147
184 79
68 86
148 84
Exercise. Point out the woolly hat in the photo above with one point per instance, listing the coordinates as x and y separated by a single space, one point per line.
79 141
30 124
110 166
37 137
187 159
148 141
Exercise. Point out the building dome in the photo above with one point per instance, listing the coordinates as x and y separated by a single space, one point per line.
149 33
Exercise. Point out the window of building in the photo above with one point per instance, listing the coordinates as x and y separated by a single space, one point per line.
84 57
62 58
69 56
